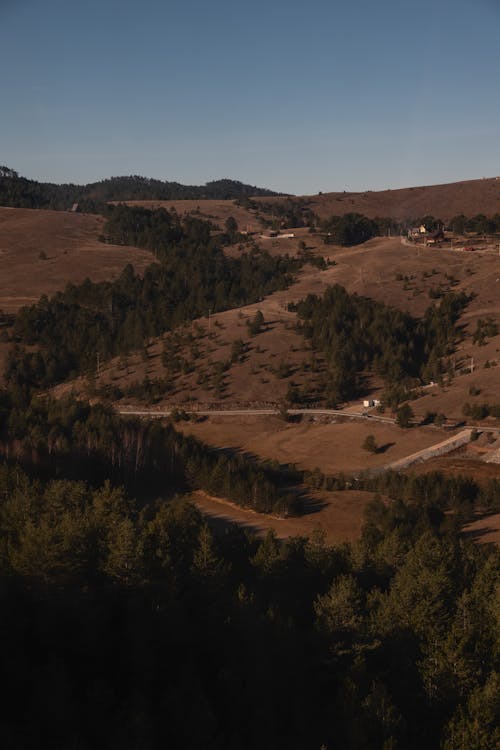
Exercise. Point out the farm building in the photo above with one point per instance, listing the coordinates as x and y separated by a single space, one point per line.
416 232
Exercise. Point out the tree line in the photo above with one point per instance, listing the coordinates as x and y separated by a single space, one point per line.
21 192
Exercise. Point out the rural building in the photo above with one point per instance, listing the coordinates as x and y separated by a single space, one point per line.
437 236
416 232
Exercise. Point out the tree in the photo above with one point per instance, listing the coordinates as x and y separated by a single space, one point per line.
206 563
255 325
124 560
340 610
404 416
237 351
231 228
370 444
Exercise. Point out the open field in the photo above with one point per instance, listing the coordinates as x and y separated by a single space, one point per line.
339 514
331 447
73 252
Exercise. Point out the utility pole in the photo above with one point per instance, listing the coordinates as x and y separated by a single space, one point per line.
98 365
209 311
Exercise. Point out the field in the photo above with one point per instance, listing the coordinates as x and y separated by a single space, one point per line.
69 243
332 447
338 514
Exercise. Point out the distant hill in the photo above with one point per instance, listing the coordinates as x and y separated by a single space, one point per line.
20 192
469 197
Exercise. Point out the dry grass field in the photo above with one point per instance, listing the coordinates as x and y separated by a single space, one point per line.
73 252
339 514
332 447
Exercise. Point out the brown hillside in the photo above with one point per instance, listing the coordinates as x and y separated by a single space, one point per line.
383 269
470 197
73 252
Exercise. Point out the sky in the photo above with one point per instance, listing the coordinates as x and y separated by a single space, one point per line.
295 96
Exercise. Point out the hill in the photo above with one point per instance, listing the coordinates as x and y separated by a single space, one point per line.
444 201
42 251
20 192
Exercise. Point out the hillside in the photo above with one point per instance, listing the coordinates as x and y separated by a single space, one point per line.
20 192
468 197
42 251
444 202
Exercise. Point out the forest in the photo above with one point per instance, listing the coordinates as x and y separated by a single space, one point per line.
129 622
20 192
73 439
356 334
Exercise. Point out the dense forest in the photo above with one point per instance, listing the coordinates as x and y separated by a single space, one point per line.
356 334
128 622
20 192
192 277
73 439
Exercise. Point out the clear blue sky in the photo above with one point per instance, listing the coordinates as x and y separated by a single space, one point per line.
296 96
